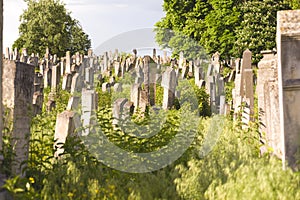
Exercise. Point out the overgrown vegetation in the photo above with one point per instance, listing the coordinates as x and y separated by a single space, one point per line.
223 161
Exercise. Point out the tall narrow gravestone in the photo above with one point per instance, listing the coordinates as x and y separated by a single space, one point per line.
268 101
288 46
1 69
18 89
247 81
169 85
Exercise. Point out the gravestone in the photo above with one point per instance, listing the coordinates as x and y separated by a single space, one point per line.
181 60
62 67
118 108
118 87
68 63
169 85
67 82
18 90
165 57
105 87
24 56
1 72
154 55
112 80
37 102
7 54
77 83
191 67
222 105
90 53
268 101
150 69
123 69
135 95
55 78
51 104
105 62
16 54
117 69
73 103
247 81
288 46
211 84
38 78
64 127
128 109
47 77
89 105
89 77
216 62
197 74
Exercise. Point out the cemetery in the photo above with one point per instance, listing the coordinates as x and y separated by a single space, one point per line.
123 126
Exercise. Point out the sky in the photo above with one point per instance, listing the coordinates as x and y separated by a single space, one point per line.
102 20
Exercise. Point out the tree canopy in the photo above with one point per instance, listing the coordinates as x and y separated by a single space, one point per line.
47 23
226 26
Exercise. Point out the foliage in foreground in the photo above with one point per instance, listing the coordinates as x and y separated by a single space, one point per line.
232 170
223 162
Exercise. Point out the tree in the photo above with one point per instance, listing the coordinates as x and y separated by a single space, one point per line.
179 30
226 26
257 30
220 23
47 23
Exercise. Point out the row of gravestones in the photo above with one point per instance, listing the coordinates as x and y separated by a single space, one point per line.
277 89
78 73
24 79
146 72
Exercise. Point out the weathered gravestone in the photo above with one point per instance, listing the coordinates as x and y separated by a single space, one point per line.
169 85
89 105
1 71
118 87
135 95
243 91
18 89
268 101
67 78
150 68
118 109
288 46
64 127
55 78
247 81
105 87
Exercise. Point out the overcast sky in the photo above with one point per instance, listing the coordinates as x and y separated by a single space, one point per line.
100 19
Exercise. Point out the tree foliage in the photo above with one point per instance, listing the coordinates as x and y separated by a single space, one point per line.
47 23
226 26
257 30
